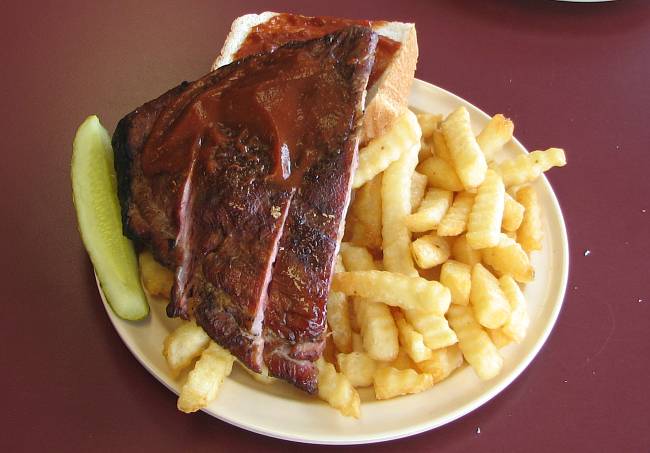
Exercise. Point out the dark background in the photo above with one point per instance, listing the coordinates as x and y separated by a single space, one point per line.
570 75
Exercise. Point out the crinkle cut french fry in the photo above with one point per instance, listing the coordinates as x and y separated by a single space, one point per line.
338 318
474 342
396 205
358 367
490 305
356 258
442 363
440 173
484 224
391 382
338 314
382 151
411 340
513 214
435 204
204 381
461 251
336 389
499 338
401 362
378 330
430 250
495 134
434 329
365 215
377 326
455 219
508 257
426 150
457 277
183 345
527 167
418 188
428 123
466 155
517 325
156 278
440 148
530 233
395 289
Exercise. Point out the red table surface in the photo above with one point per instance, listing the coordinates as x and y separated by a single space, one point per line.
570 75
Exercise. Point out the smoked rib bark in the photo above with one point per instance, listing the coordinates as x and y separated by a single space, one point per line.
207 174
149 202
296 317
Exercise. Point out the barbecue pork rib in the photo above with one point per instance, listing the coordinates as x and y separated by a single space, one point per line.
239 182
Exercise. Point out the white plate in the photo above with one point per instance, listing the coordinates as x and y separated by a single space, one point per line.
280 411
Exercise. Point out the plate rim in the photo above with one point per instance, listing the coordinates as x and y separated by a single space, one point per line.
558 295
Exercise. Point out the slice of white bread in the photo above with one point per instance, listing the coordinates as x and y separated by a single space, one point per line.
386 99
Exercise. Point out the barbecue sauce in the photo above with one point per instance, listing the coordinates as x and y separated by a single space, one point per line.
257 106
282 28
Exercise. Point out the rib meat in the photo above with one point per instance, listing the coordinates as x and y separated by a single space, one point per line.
239 181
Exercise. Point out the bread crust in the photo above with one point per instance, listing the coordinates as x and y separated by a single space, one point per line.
389 99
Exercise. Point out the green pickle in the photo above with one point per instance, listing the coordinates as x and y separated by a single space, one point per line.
94 191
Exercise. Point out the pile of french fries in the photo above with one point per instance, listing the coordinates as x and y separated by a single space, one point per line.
437 245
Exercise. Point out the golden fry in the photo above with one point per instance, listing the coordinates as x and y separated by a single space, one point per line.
378 330
517 325
336 389
527 167
474 342
378 155
358 367
530 233
495 134
490 305
508 257
442 363
391 382
411 340
204 381
396 205
401 362
183 345
466 155
484 224
430 250
418 188
428 123
395 289
434 329
356 258
365 215
455 219
440 174
156 278
338 318
440 147
457 277
435 204
499 338
513 214
461 251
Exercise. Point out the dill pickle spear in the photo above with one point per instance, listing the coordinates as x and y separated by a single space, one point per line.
94 192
